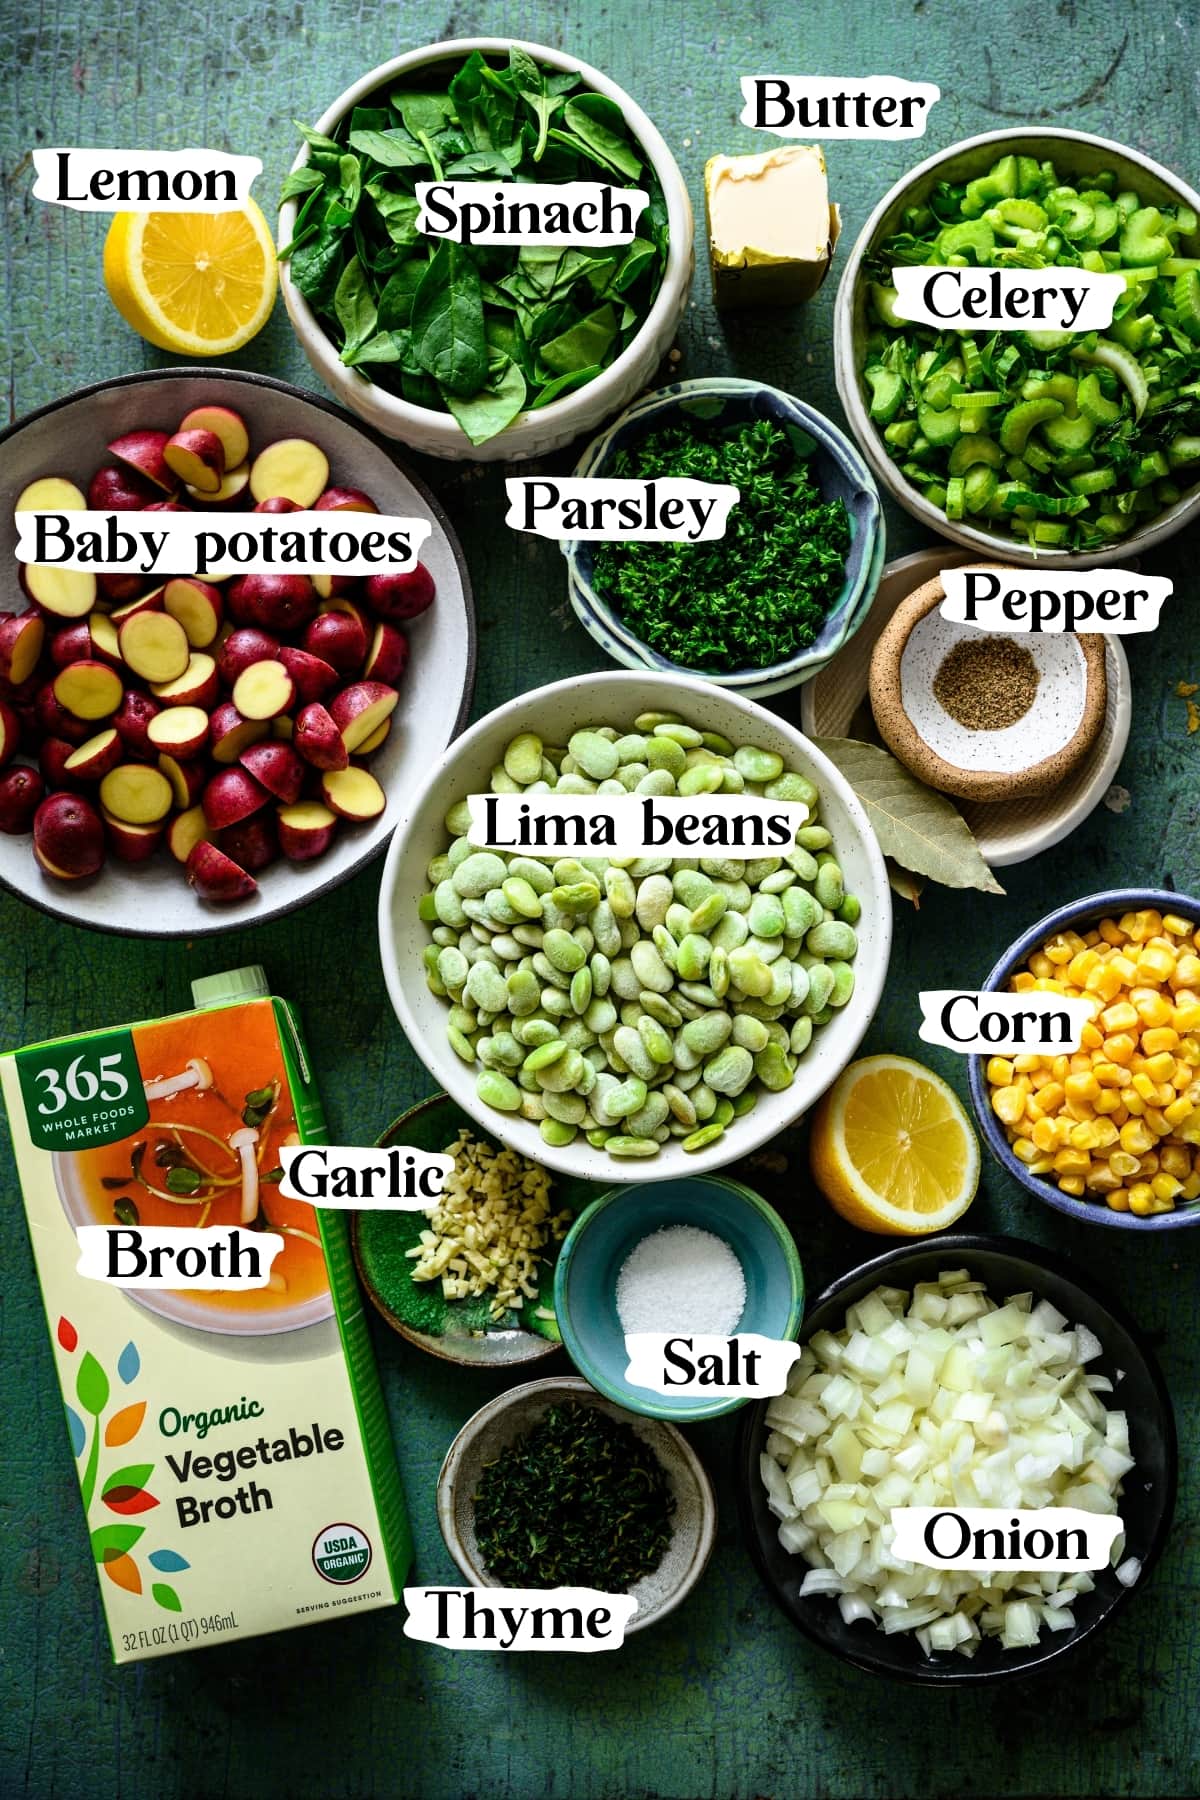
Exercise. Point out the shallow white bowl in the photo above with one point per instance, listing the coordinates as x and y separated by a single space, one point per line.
1073 153
616 698
550 427
68 437
490 1431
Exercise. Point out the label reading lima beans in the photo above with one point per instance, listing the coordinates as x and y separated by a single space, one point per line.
960 299
1015 600
711 1367
987 1024
633 824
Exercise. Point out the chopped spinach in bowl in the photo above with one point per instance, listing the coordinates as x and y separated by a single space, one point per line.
483 331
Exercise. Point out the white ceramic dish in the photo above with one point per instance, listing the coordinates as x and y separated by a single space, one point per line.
489 1432
616 697
68 438
549 427
835 704
1074 153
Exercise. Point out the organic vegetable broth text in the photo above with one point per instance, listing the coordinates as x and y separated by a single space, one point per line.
232 1447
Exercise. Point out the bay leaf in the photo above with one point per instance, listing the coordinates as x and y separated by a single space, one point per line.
922 830
910 887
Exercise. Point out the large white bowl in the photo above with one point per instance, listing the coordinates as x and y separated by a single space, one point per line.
153 899
554 712
549 427
1074 153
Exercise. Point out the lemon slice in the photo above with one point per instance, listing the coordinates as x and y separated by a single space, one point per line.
893 1149
198 284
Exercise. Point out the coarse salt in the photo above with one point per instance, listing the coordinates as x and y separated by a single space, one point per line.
681 1279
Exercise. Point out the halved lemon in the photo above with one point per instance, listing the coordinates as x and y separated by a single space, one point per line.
198 284
893 1149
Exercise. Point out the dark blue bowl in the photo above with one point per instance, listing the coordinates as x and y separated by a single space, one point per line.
1078 915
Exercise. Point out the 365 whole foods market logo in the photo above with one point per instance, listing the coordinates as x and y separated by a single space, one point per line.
84 1091
341 1553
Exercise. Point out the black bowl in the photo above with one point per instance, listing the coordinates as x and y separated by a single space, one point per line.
1007 1266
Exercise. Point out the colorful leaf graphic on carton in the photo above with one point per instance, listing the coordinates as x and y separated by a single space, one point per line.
124 1572
91 1386
109 1541
78 1431
168 1561
129 1363
125 1424
66 1333
125 1489
167 1597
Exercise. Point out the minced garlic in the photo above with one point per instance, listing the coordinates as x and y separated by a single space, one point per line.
489 1227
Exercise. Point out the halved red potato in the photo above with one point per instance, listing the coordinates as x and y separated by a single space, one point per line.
278 768
136 794
88 690
274 602
305 830
387 654
53 719
283 728
68 837
318 740
22 636
225 424
353 794
132 843
241 648
400 593
230 734
233 485
277 504
155 646
186 778
65 593
143 452
180 731
150 601
197 605
71 643
10 733
313 676
231 796
115 489
360 709
186 830
215 876
253 843
105 643
95 757
376 740
290 469
133 723
264 690
50 493
336 587
197 686
339 638
345 499
198 458
54 753
22 791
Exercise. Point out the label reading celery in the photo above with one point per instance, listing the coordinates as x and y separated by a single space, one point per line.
83 1092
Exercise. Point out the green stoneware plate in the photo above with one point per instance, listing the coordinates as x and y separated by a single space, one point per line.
458 1331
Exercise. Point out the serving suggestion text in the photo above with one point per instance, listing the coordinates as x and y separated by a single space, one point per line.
183 543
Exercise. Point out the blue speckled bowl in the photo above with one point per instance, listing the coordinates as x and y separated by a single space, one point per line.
1079 915
595 1248
841 474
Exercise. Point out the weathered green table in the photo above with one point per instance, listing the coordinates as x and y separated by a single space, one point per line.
724 1699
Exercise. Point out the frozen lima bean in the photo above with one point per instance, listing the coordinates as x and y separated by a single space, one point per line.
637 1001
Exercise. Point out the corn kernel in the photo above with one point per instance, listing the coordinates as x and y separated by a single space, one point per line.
1119 1048
1173 1159
1072 1184
1109 1101
1072 1162
1024 1150
1101 1180
1176 925
1110 931
1165 1187
1141 1200
1119 1017
1123 1163
1187 971
1191 1188
999 1071
1136 1138
1178 1111
1145 1088
1009 1104
1024 983
1082 1087
1153 1007
1156 962
1118 1200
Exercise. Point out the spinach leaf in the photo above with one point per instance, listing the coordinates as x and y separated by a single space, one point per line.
396 300
487 412
565 384
424 114
314 140
398 212
315 268
482 162
531 85
600 123
384 347
355 309
392 149
584 344
638 257
300 181
447 322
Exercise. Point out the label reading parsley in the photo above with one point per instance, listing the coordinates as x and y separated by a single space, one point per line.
596 509
82 1092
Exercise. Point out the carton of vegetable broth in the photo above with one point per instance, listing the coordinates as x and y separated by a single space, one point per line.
232 1447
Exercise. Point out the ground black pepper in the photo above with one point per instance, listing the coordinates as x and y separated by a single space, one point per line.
986 683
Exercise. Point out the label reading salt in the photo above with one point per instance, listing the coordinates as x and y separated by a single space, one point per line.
343 1176
634 824
708 1365
177 1256
877 106
597 508
1067 299
1058 1539
984 1024
1014 600
498 1618
90 180
514 212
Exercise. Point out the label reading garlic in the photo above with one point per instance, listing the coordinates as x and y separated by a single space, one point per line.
177 1256
1050 601
90 180
341 1176
710 1366
1059 1539
499 1618
1067 299
986 1024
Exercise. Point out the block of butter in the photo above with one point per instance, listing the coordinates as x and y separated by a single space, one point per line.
771 227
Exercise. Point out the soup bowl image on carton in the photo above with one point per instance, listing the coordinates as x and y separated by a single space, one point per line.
231 1443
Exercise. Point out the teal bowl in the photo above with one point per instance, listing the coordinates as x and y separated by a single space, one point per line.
595 1248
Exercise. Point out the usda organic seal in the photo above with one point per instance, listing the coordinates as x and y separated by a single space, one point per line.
341 1553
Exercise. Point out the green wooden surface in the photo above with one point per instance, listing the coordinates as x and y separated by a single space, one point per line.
724 1699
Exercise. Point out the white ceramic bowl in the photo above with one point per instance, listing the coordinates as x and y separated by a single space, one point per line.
556 711
549 427
1074 153
490 1431
68 437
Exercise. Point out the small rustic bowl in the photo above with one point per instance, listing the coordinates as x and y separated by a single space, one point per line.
1079 915
1031 757
68 438
595 1248
841 475
1074 153
431 1125
834 704
555 711
1007 1266
549 427
508 1417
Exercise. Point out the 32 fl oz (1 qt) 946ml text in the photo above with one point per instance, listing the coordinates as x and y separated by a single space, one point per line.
179 1631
